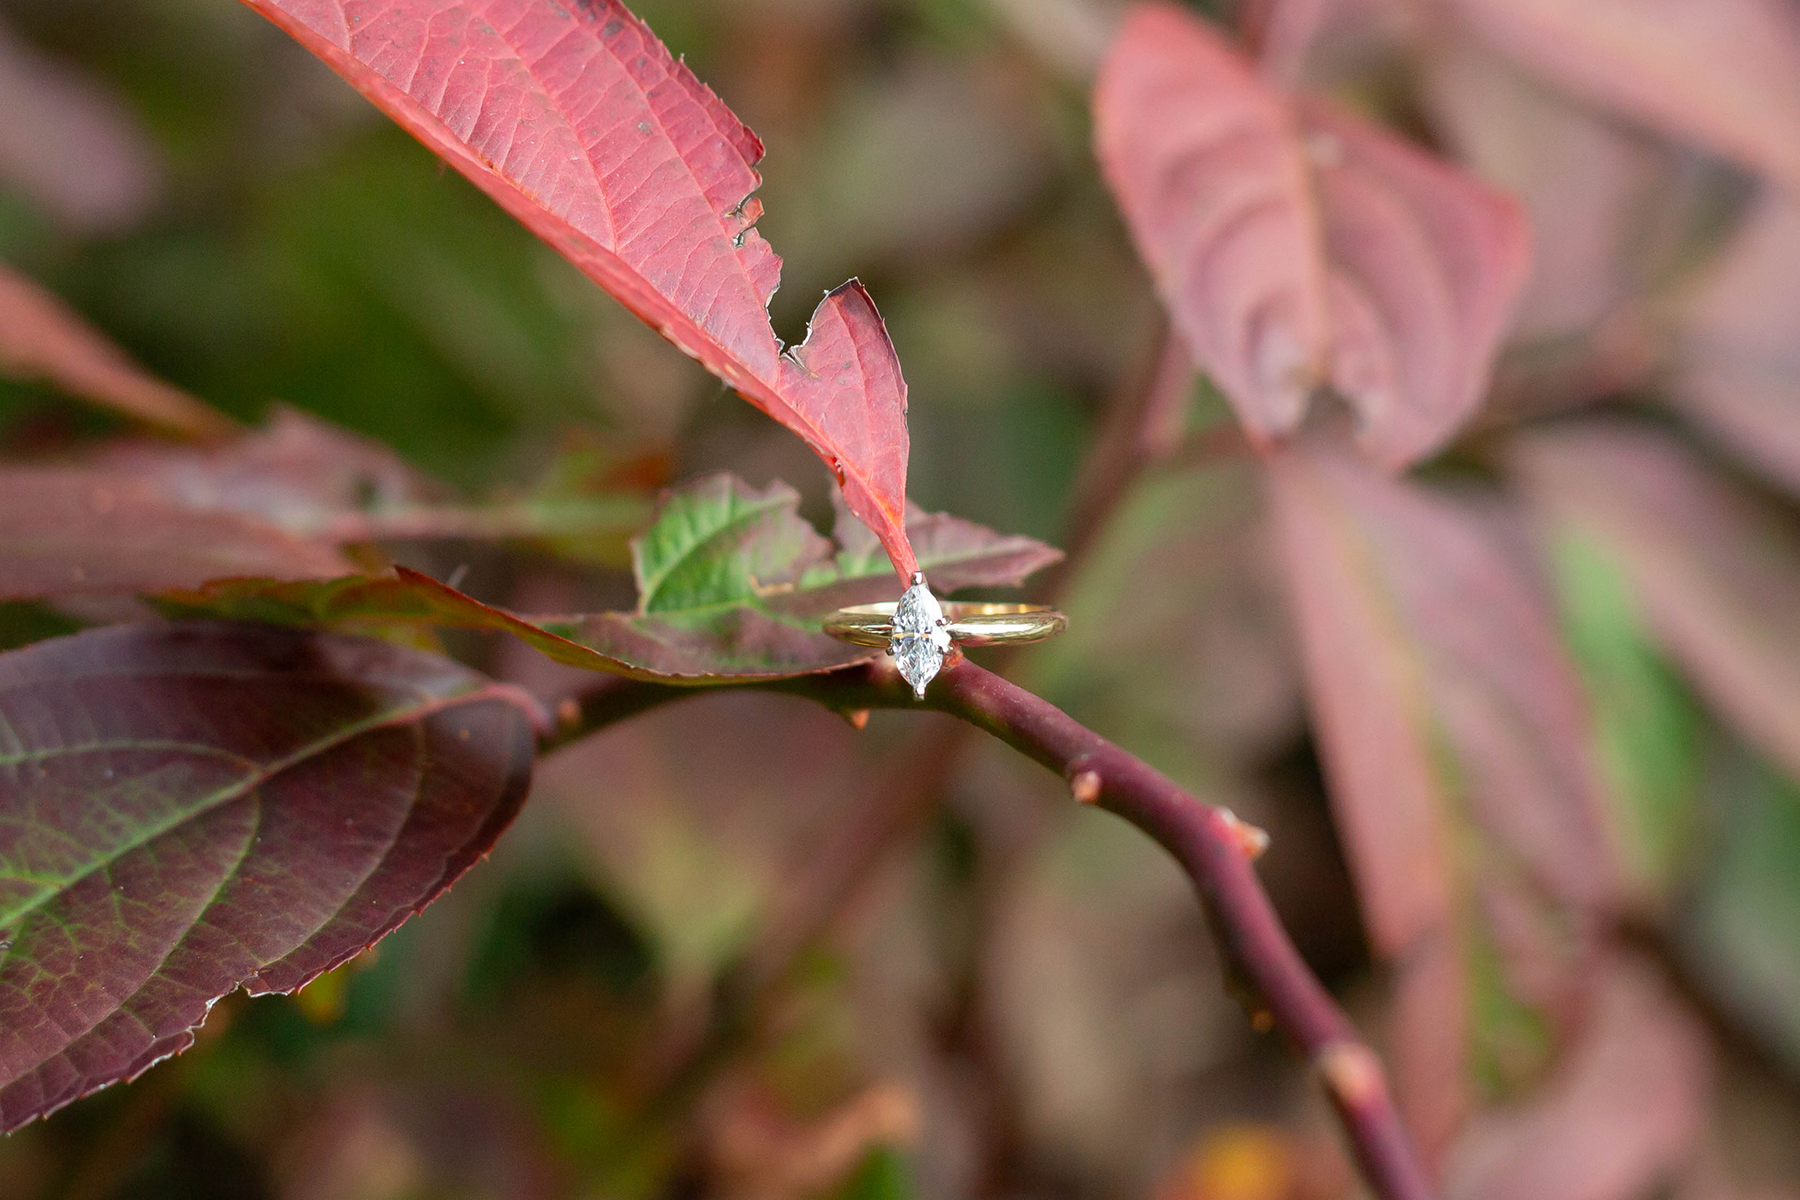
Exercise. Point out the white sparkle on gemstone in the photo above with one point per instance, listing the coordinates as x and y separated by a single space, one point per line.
919 641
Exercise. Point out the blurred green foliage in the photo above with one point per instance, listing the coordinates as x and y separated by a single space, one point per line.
1651 735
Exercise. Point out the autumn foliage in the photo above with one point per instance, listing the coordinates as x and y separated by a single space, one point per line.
1413 384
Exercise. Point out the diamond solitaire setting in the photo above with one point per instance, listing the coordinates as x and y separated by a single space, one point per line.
918 632
920 640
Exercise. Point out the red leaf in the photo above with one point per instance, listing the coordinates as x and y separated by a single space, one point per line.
1722 73
579 122
1297 246
192 808
42 339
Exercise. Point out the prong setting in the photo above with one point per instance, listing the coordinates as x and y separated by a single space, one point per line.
920 640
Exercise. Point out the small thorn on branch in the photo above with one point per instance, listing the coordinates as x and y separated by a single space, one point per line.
1353 1074
1250 841
1086 787
858 718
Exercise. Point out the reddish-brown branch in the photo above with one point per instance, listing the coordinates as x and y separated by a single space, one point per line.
1208 842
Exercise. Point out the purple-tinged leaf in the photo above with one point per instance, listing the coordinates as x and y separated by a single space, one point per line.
953 553
186 809
1590 185
1713 569
316 481
1296 246
1209 165
277 502
297 472
1723 74
67 530
1426 265
1443 702
1737 357
41 338
1425 638
71 144
578 121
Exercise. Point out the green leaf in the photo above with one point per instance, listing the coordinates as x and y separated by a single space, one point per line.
1745 918
23 623
883 1175
734 586
1647 727
1709 562
718 541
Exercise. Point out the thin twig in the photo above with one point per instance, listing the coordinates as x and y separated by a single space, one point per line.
1208 842
1144 423
901 797
1143 426
1210 845
901 800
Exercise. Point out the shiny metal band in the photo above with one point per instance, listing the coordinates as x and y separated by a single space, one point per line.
967 624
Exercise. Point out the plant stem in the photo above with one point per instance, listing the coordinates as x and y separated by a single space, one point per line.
1208 842
1142 427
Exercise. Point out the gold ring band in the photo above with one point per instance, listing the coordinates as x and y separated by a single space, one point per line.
967 624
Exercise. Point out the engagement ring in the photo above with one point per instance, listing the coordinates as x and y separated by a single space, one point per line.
918 631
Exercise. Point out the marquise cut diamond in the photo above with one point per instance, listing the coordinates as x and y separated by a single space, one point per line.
919 641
